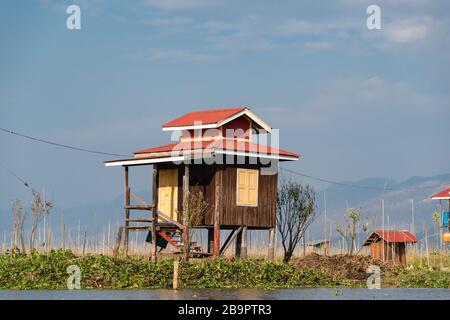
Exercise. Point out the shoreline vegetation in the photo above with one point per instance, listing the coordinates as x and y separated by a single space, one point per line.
48 271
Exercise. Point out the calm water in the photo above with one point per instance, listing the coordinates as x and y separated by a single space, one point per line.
205 294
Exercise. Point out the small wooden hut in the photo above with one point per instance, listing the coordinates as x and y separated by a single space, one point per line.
217 154
319 247
390 245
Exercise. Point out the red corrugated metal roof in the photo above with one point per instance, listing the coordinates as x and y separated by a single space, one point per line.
443 194
396 236
220 144
203 116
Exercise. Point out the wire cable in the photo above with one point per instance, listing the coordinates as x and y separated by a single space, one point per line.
122 155
350 185
62 145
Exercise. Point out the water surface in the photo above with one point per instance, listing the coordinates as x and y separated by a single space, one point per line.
230 294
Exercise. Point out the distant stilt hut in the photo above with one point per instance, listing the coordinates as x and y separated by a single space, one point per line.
445 213
390 245
319 247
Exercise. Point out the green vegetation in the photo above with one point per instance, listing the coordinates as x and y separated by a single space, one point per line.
48 271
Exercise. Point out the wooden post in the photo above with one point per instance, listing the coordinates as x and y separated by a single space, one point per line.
210 240
186 212
271 254
237 252
118 240
176 271
244 243
217 182
127 211
154 212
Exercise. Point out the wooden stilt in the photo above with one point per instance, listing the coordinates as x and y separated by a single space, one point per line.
237 250
118 240
154 212
210 240
127 211
244 243
217 181
176 271
186 212
271 254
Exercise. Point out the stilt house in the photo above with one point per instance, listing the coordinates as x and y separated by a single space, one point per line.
216 153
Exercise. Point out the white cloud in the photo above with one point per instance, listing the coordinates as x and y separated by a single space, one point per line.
181 55
408 30
296 27
168 22
319 45
177 4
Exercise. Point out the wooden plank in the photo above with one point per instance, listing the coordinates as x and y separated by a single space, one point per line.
139 220
138 228
146 208
167 219
142 202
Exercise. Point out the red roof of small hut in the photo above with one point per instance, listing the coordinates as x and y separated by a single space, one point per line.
402 236
442 195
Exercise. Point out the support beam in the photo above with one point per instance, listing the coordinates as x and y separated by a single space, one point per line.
154 211
271 253
186 212
238 247
210 240
243 253
217 182
230 239
127 211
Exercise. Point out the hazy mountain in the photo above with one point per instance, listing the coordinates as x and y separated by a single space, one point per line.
398 206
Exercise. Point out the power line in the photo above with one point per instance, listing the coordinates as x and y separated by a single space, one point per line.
26 184
122 155
61 145
347 184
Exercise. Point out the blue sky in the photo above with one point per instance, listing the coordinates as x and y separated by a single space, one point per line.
355 102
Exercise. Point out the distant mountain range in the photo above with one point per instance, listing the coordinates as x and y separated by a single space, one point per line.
414 191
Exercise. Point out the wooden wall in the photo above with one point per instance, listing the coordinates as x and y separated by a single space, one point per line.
202 177
262 216
393 252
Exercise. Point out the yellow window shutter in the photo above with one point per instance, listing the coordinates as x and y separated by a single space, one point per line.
242 187
252 188
247 187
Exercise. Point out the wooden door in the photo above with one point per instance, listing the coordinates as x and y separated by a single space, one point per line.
168 192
